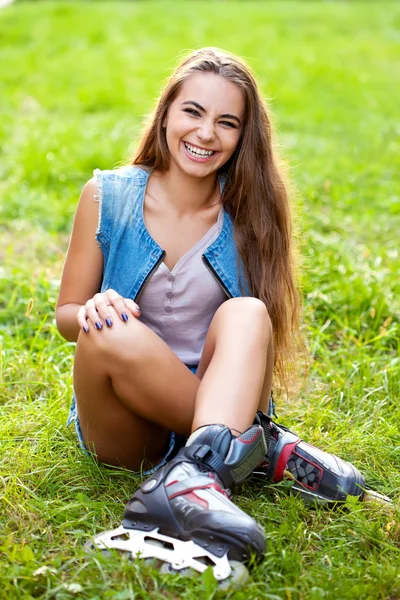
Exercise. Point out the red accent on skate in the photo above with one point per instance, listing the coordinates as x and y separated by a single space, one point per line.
195 498
283 460
172 482
255 436
219 489
200 487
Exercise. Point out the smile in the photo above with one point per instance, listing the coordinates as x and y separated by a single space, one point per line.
196 151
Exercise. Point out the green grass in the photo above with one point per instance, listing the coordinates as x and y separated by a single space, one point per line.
75 80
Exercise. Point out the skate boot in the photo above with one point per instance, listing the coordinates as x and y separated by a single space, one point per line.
183 515
317 476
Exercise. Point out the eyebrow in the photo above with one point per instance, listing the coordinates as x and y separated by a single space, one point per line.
225 116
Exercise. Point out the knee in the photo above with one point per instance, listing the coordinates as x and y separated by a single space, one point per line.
251 312
113 342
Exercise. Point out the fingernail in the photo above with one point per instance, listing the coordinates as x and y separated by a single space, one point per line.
124 317
108 322
85 329
137 309
98 325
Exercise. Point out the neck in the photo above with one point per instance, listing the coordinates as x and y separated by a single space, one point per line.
186 195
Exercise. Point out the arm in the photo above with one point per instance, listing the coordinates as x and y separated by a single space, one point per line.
83 268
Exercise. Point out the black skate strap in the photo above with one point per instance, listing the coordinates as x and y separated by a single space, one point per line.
206 457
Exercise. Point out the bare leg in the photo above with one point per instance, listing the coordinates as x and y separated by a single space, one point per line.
131 389
236 365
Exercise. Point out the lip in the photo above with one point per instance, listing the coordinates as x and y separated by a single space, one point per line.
198 159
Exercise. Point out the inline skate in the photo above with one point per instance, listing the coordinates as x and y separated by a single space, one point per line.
183 516
317 475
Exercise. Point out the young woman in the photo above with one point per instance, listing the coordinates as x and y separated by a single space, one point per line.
197 231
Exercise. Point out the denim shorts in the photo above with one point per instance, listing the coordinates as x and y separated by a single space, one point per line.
176 441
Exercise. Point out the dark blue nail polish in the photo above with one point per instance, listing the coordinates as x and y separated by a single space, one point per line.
98 325
124 317
108 322
85 329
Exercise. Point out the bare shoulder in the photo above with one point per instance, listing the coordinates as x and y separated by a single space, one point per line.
88 208
89 190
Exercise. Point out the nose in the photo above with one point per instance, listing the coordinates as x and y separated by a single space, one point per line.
206 131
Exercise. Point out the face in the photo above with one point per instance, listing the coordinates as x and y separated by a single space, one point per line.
204 124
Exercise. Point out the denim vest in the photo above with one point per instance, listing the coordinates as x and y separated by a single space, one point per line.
131 255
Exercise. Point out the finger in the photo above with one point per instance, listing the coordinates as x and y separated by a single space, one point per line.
102 304
118 302
81 316
92 315
133 307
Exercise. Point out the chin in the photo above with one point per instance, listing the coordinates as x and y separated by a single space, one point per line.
198 170
200 174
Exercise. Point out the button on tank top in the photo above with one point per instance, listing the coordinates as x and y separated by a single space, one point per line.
179 305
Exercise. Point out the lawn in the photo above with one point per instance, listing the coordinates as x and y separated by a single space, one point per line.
76 80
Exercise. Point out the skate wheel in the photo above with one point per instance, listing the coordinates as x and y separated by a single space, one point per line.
375 497
168 569
155 563
90 548
237 578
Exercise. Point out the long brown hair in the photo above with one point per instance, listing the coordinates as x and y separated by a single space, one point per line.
255 195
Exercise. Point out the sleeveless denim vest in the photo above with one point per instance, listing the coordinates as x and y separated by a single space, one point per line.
131 255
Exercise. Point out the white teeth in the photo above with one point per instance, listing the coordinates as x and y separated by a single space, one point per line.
198 151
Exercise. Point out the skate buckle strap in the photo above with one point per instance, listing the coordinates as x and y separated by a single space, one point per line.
206 456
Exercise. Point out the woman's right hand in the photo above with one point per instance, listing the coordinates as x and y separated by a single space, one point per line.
96 313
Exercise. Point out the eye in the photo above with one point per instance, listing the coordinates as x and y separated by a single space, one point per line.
192 111
228 124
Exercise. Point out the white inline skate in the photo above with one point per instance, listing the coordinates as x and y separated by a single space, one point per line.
182 515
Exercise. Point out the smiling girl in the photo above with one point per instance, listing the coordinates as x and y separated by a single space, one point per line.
197 232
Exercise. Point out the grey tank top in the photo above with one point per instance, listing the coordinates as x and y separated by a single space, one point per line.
179 305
